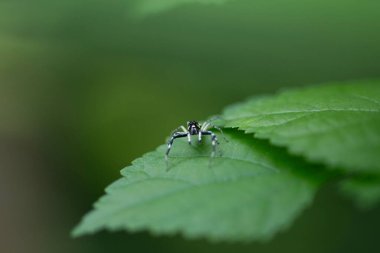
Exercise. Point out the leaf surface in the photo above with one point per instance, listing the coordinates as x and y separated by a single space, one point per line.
336 124
250 192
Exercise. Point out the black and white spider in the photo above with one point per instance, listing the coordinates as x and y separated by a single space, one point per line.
194 128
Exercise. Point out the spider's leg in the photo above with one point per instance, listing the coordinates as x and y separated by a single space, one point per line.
177 130
214 141
205 125
221 131
170 142
208 122
188 134
188 138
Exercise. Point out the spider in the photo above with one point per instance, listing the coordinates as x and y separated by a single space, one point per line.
194 128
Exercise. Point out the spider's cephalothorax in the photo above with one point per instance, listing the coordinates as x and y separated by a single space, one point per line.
194 128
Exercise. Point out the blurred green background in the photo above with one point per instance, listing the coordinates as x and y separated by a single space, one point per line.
88 86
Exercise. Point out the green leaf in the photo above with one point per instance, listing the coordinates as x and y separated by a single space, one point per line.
146 7
250 192
337 124
365 191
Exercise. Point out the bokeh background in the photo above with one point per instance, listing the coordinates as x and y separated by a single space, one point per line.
88 86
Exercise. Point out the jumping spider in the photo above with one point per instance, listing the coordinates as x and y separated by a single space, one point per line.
194 128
